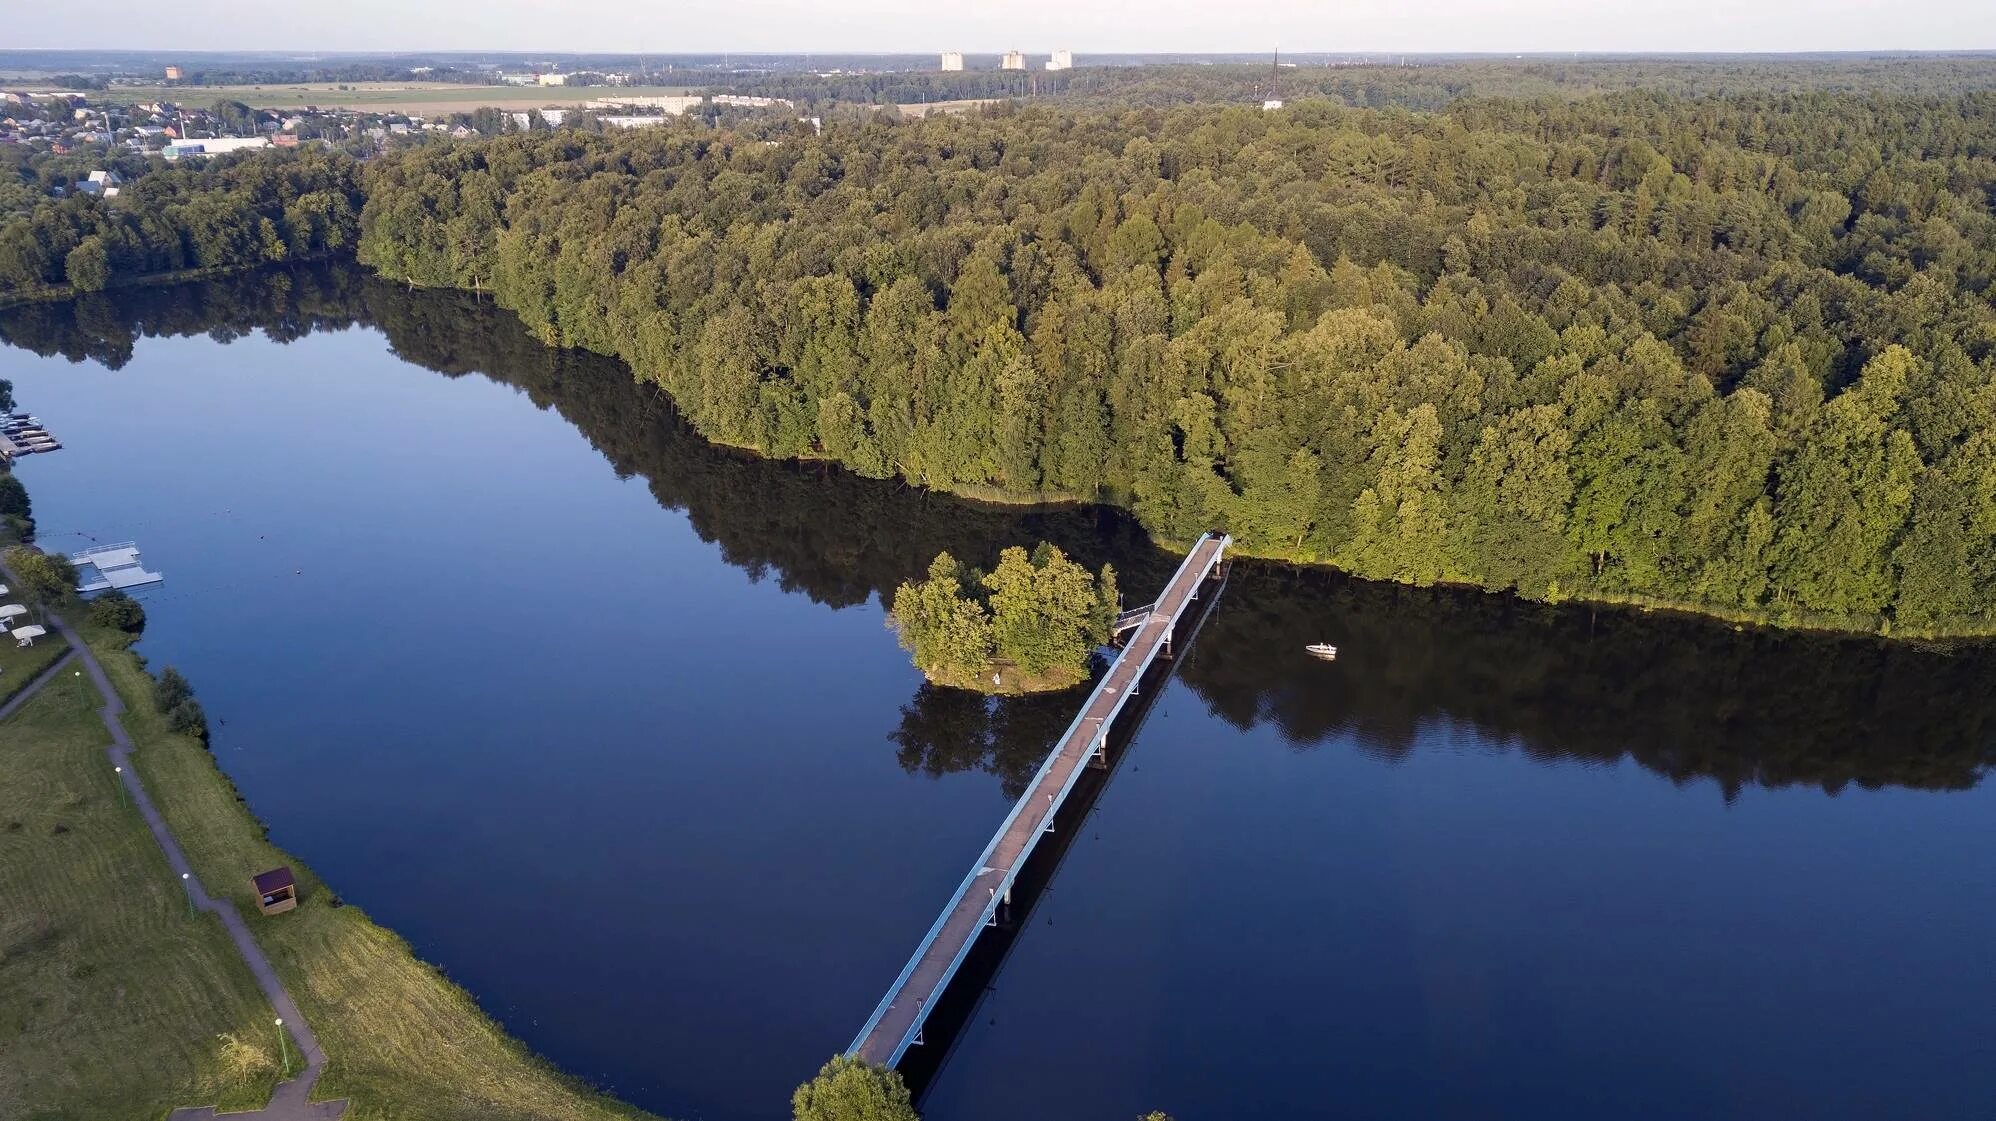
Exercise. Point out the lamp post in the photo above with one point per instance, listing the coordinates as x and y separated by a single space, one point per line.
283 1048
119 772
187 889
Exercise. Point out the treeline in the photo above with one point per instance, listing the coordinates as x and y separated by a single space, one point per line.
1732 354
1421 86
235 212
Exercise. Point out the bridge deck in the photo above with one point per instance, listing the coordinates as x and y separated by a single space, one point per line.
898 1018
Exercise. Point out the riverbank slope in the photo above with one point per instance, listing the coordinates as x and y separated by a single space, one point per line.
403 1041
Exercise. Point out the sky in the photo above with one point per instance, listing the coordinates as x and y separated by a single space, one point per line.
1035 26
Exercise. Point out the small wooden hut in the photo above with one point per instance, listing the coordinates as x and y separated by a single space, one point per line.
276 890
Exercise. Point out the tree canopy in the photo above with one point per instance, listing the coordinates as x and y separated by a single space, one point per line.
1038 614
235 212
1731 352
45 577
849 1089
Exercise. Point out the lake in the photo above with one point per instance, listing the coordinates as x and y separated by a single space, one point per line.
607 723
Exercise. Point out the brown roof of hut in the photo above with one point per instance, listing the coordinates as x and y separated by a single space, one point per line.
279 877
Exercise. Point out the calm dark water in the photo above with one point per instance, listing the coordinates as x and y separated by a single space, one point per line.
606 722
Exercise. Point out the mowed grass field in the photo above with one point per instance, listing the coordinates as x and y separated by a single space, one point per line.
403 1042
20 665
414 98
114 1002
934 108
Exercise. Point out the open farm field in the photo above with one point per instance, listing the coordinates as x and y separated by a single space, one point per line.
416 98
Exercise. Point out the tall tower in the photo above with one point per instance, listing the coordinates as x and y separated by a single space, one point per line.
952 60
1013 60
1061 60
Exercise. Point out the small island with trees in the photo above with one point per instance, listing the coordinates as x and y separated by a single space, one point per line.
1028 625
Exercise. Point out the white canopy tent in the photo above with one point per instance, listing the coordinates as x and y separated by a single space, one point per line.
12 611
28 634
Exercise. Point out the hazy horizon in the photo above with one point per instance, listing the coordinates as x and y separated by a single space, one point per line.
1035 26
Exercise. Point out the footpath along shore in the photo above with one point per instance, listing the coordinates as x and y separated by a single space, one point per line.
290 1101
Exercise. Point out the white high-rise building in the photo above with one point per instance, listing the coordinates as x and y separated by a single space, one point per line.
1061 60
952 60
1013 61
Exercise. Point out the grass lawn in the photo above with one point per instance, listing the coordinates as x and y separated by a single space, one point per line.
403 1042
20 665
114 1002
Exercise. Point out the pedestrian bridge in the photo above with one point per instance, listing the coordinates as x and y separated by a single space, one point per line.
896 1023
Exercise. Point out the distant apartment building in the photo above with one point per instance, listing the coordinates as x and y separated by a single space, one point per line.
212 146
1061 60
1013 61
952 60
631 122
173 73
744 101
671 104
551 117
551 79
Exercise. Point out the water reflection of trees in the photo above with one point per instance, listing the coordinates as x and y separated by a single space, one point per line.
1684 698
944 731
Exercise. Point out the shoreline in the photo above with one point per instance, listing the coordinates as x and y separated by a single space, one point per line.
198 799
63 292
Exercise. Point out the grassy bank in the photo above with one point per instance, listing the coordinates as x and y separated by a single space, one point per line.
402 1040
118 1003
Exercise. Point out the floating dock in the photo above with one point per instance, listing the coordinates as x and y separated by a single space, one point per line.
896 1023
21 434
111 566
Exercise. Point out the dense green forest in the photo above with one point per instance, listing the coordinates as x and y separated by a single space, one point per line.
1734 354
1731 353
1579 684
1424 84
231 213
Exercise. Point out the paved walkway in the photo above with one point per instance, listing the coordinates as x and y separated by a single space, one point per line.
288 1102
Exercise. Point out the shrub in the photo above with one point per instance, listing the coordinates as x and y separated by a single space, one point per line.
14 497
188 719
169 689
118 611
243 1060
